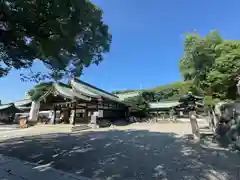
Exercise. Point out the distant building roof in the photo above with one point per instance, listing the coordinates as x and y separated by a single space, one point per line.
9 108
23 102
199 103
124 96
163 105
5 106
190 96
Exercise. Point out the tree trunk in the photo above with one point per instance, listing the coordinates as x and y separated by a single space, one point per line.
53 119
194 125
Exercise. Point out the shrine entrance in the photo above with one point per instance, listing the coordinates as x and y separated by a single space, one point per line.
67 112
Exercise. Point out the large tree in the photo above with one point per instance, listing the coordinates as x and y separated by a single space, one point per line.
39 90
66 35
212 64
140 102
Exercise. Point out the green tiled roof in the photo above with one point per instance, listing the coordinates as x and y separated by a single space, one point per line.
162 105
92 91
9 107
23 102
5 106
68 92
199 103
83 90
77 90
58 88
127 95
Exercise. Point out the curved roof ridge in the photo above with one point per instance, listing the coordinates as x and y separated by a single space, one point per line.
94 87
98 91
82 89
68 92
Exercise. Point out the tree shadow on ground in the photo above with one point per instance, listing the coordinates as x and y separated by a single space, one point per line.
131 154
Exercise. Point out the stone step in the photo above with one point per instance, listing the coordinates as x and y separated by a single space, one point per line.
54 126
237 145
63 127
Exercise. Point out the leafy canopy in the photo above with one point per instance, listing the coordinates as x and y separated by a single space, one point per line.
212 64
140 102
66 35
39 90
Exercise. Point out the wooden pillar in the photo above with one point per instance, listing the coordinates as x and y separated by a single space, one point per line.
97 105
54 115
86 119
86 115
69 114
127 113
74 113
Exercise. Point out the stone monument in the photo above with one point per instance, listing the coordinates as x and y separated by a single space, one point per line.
238 85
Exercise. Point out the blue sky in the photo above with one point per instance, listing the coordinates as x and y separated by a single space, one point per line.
147 42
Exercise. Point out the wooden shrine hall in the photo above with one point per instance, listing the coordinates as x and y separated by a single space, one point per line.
79 103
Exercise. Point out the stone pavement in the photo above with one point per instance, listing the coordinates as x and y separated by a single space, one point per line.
6 127
15 169
35 130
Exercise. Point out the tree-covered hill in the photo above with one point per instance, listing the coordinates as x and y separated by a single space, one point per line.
169 92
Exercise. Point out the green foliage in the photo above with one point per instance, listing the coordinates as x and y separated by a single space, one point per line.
122 91
66 35
170 92
39 90
212 64
138 102
210 101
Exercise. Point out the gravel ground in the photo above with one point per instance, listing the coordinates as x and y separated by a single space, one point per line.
137 151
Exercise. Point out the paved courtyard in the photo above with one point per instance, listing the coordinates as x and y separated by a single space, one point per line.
134 152
6 127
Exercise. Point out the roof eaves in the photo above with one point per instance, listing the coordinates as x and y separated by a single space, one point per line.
98 91
83 90
23 102
93 87
123 96
69 93
6 106
156 105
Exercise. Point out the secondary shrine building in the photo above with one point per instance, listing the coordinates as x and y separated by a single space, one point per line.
78 102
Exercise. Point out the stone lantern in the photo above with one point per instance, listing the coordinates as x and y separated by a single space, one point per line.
190 101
